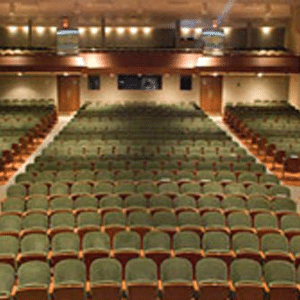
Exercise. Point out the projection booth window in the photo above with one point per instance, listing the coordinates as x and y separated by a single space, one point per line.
142 82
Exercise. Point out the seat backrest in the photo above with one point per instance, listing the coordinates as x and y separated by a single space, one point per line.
189 218
279 272
290 222
114 218
10 223
245 270
215 241
141 270
156 240
176 270
35 243
239 219
128 240
69 271
139 218
63 219
274 242
164 219
65 241
34 274
213 219
186 240
106 270
265 220
209 269
9 245
245 241
88 218
7 279
96 240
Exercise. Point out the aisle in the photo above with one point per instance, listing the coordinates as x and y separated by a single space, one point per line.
295 190
61 123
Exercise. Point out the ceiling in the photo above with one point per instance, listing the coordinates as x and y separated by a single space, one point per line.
144 12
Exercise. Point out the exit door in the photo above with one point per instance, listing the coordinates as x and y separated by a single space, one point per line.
211 94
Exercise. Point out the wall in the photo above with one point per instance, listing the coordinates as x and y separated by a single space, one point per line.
169 94
294 90
28 87
249 88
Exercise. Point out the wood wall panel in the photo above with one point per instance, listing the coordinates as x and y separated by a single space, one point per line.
211 94
68 93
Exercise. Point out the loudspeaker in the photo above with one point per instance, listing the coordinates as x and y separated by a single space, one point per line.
93 82
186 82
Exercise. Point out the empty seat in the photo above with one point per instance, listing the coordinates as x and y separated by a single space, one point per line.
211 277
141 279
61 222
281 279
69 280
13 206
135 202
239 222
7 279
34 247
160 203
186 244
246 245
65 245
105 279
165 221
9 248
10 225
156 246
34 280
190 221
86 204
217 244
184 203
275 246
126 245
139 221
110 203
246 276
88 221
209 203
290 224
266 223
214 221
283 206
258 204
114 222
176 276
34 223
95 245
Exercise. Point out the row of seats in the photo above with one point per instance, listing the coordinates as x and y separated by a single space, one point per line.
158 245
246 280
184 202
245 177
113 221
127 188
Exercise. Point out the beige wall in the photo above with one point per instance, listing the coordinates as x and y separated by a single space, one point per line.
294 90
234 89
28 87
169 94
249 88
